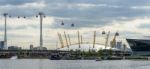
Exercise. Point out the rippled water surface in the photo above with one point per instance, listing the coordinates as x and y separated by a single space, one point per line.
72 64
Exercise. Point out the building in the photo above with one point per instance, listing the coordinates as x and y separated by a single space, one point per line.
39 48
119 45
140 46
2 45
14 48
87 47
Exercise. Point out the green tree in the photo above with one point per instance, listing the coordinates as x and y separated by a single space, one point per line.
100 53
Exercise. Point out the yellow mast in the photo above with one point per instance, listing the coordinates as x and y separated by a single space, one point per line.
66 39
114 42
61 41
79 39
69 39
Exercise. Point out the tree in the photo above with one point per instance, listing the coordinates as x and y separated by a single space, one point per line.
100 53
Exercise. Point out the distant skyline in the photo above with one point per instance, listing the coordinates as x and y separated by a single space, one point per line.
128 17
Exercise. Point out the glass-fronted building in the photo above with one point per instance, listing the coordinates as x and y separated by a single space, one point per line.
140 46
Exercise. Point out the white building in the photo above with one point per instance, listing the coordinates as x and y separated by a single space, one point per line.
87 47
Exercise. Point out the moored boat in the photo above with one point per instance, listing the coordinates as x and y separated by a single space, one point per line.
14 57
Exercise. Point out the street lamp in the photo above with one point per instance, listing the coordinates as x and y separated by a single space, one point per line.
41 15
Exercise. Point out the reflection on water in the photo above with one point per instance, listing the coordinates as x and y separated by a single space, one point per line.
72 64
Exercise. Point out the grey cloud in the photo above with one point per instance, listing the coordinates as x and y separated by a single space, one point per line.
90 17
129 34
15 2
11 36
12 28
145 26
112 2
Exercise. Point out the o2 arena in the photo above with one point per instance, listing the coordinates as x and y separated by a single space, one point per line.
109 44
86 47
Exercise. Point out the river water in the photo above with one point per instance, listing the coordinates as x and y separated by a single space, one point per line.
72 64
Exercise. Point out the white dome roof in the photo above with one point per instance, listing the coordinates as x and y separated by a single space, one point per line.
86 47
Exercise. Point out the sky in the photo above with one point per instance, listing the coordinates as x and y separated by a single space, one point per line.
128 17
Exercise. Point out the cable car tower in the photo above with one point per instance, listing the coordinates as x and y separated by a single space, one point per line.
5 32
41 15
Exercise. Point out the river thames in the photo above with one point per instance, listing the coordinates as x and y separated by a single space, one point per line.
72 64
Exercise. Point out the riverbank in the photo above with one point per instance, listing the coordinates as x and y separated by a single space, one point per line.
70 55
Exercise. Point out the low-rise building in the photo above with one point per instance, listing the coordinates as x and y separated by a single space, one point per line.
14 48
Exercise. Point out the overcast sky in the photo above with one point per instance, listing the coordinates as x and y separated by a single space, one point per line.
129 17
